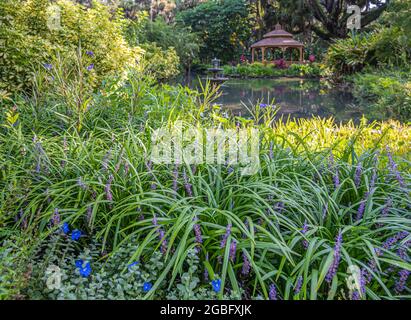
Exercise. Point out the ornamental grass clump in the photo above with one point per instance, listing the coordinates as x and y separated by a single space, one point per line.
290 224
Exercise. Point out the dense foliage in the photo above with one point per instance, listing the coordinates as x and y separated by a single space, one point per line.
168 37
257 70
31 37
387 92
224 27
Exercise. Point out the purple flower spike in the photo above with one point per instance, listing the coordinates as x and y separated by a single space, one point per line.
332 271
81 183
187 184
355 296
161 235
206 275
107 188
197 232
56 217
394 169
90 67
225 236
272 293
298 285
246 265
233 249
402 280
361 209
334 168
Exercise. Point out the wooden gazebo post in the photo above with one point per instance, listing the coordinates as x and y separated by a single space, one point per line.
252 55
263 54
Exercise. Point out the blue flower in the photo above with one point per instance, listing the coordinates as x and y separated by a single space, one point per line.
132 265
90 67
263 105
75 235
216 285
147 286
48 66
79 263
65 228
84 271
90 53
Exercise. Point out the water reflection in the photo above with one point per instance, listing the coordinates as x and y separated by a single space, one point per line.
296 98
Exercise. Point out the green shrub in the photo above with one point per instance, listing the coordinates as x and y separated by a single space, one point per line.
260 70
160 63
28 41
346 56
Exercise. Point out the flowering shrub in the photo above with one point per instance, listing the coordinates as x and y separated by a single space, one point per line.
281 64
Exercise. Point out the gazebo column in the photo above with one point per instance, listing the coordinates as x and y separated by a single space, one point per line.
301 55
263 54
252 55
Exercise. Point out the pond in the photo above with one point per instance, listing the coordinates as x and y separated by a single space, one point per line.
296 98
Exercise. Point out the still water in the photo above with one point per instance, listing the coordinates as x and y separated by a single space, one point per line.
295 98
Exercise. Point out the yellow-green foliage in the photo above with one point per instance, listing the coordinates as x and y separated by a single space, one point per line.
318 134
29 42
161 64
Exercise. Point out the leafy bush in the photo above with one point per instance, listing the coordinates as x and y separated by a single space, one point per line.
160 63
29 42
347 56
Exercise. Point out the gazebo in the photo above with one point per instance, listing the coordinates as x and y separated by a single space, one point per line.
277 38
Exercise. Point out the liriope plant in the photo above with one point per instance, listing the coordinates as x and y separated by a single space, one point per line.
326 198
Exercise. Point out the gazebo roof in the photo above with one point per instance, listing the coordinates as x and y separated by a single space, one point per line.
277 38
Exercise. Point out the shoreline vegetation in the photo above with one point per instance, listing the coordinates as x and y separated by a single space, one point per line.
272 71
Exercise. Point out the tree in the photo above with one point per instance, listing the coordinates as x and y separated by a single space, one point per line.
179 37
224 27
331 15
